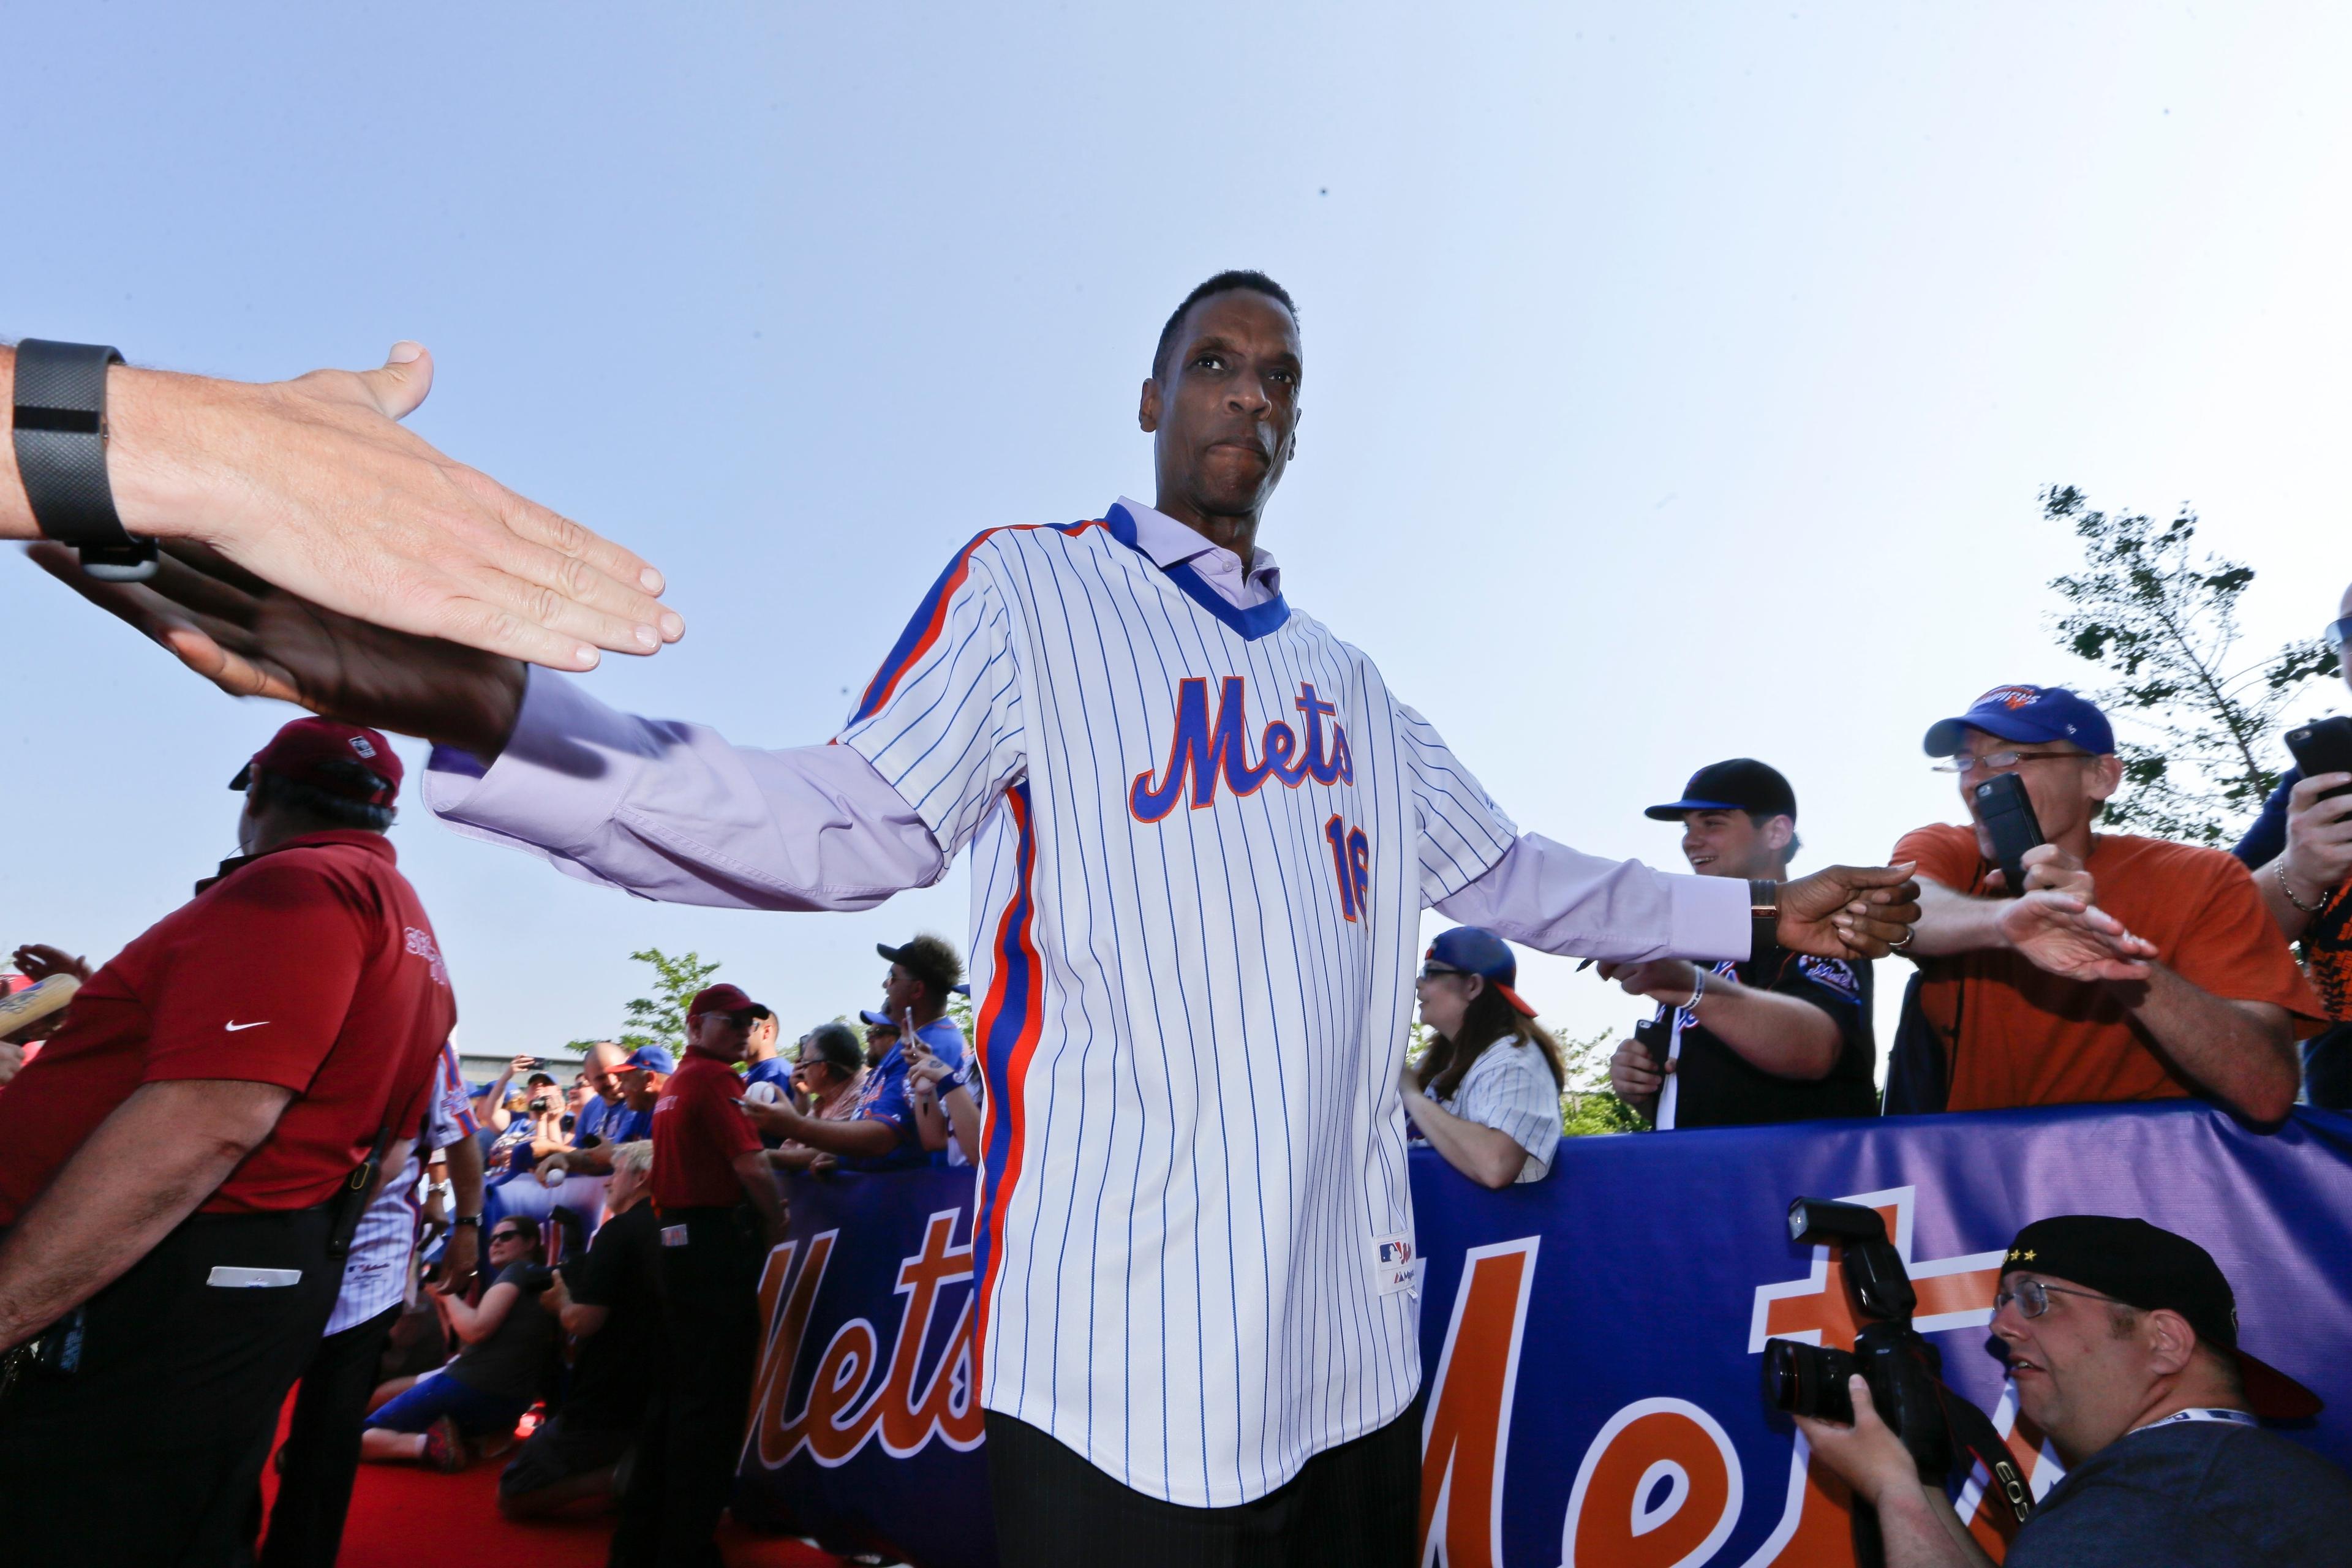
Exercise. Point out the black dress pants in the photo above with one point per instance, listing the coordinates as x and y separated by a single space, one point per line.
322 1446
147 1455
684 1467
1354 1505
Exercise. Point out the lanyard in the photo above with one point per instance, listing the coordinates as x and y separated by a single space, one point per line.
1670 1097
2236 1418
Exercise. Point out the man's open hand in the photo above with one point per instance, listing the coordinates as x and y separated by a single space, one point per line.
1849 912
2067 937
251 640
312 485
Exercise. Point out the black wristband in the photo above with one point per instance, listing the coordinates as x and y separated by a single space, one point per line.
473 1219
1763 916
60 434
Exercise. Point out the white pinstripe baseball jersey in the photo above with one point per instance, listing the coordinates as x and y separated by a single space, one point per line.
1202 838
1510 1089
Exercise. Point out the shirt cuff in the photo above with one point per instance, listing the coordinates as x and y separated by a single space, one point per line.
1710 918
560 781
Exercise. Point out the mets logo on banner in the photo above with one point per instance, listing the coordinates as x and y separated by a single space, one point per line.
1661 1485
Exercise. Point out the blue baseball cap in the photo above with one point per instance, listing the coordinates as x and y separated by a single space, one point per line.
654 1058
2027 713
1473 949
879 1020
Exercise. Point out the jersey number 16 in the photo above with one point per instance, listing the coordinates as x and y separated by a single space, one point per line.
1351 861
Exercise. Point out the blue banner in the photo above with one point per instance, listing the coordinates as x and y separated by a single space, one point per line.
1592 1342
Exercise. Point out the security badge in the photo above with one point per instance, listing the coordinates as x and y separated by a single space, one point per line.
673 1236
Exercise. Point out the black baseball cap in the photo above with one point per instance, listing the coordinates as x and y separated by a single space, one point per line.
1743 783
2144 1267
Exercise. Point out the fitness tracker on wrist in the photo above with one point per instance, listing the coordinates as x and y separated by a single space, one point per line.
1764 916
60 434
473 1219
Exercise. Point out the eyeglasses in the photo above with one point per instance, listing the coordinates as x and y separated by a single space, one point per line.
2001 762
2033 1297
2337 634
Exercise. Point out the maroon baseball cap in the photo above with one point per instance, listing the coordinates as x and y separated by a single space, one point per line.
722 998
302 752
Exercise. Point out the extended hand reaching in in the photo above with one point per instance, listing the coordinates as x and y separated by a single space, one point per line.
1849 912
251 640
2068 937
313 485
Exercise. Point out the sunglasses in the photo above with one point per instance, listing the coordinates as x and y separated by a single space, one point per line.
506 1236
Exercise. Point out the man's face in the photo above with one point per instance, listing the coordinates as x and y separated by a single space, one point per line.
1729 844
900 991
1223 413
2065 784
878 1041
602 1062
2076 1378
626 1184
726 1035
762 1037
640 1087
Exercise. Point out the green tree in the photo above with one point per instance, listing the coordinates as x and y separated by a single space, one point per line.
660 1019
1588 1105
2161 622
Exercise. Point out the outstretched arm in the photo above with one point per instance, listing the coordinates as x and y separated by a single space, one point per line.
666 810
1561 900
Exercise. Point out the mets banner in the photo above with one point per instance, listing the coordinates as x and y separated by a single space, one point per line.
1591 1343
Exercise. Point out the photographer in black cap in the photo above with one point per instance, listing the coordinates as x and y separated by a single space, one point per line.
2123 1341
1779 1037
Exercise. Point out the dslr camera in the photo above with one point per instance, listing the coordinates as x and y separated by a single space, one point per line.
1903 1371
1947 1438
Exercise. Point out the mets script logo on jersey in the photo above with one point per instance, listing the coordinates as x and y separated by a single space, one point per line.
421 944
1202 751
1832 974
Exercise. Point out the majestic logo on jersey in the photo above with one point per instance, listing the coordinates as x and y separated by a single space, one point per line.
1202 751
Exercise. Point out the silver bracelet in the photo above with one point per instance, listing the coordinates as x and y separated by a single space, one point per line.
1698 989
2310 910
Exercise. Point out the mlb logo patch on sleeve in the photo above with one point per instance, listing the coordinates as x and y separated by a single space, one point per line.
1395 1266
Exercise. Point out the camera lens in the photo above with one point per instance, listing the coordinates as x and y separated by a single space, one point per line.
1783 1383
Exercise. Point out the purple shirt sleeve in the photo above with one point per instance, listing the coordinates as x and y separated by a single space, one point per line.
672 811
1560 900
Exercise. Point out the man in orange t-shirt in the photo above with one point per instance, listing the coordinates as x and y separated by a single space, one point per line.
2130 968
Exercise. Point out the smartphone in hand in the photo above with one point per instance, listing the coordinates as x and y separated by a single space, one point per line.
2323 746
2007 813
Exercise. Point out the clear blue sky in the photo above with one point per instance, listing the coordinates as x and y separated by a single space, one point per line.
1680 379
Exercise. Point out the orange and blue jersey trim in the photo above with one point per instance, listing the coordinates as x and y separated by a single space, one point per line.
1005 1034
930 616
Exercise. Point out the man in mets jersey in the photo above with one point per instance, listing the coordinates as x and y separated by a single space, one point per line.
1203 830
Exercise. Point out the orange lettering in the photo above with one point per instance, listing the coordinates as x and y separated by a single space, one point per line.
1467 1429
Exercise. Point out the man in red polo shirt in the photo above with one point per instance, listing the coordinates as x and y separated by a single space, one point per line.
715 1195
171 1165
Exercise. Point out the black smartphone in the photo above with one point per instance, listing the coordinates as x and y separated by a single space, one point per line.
2323 746
2008 817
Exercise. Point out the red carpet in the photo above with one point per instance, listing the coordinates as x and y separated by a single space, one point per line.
404 1515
